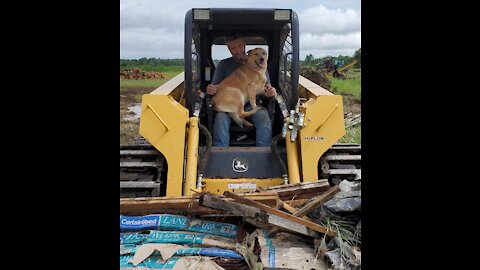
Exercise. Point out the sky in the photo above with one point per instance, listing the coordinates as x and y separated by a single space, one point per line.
154 28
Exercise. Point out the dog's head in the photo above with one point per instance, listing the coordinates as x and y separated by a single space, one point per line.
257 58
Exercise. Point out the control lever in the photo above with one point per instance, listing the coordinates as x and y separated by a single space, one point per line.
198 102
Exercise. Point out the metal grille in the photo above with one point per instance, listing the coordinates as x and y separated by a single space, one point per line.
286 57
195 59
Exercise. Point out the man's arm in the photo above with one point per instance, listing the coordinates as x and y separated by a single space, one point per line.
218 76
269 89
219 73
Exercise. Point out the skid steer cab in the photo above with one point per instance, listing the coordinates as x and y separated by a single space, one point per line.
177 118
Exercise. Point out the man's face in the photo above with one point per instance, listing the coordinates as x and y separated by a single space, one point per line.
237 49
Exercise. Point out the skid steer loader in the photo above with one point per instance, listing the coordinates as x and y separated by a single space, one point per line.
176 156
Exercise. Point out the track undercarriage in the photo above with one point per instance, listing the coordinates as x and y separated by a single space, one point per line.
143 168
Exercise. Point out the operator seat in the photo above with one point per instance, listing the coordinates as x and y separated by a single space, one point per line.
241 136
238 136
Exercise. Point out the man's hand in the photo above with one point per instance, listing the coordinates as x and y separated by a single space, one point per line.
270 90
212 89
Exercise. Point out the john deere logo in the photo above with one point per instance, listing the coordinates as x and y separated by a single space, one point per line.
239 165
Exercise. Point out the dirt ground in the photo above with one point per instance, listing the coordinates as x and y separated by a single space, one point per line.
128 97
351 104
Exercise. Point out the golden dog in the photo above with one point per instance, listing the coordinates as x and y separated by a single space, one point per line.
243 85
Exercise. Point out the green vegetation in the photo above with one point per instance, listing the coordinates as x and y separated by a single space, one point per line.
141 83
351 86
163 69
153 64
148 83
311 61
352 135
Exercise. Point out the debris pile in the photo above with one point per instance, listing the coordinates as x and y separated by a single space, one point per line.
316 75
139 74
341 213
352 119
309 225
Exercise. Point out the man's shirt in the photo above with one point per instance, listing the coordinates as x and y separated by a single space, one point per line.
225 68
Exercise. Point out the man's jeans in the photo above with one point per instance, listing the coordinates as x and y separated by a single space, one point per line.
261 120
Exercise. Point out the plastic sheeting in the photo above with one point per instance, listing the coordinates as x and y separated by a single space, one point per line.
287 251
349 198
166 222
189 238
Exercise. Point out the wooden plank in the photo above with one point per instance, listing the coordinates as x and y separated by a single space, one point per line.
304 190
286 206
319 200
165 207
302 194
178 205
170 85
269 199
228 206
304 185
279 213
260 189
314 88
285 224
258 224
296 203
311 205
292 211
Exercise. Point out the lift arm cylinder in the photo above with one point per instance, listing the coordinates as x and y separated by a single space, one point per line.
192 157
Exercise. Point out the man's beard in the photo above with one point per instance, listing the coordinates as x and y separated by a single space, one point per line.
240 57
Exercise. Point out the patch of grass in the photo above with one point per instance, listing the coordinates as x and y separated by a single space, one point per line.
352 85
352 135
142 83
163 69
169 69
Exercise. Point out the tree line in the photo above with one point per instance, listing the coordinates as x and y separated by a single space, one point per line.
156 64
311 61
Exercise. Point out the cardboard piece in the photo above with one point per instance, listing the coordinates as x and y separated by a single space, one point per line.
198 262
145 250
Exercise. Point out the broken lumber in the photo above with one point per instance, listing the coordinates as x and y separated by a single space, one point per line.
304 190
319 200
180 205
254 215
280 214
302 185
309 206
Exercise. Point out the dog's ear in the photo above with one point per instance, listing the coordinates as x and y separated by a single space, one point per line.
249 51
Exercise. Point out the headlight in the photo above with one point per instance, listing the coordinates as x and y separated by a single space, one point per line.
282 15
201 14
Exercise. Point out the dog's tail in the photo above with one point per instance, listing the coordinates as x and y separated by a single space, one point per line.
243 114
240 121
